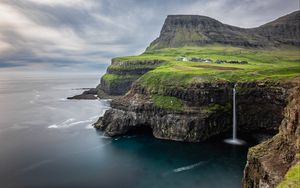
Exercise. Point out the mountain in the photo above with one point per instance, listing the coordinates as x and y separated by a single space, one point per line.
285 30
194 30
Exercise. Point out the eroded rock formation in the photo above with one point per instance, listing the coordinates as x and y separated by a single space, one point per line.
206 111
269 161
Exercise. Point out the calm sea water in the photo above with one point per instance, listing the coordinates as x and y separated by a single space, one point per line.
48 141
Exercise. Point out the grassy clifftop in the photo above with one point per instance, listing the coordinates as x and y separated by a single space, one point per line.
263 64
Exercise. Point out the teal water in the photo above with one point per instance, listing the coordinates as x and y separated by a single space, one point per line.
47 141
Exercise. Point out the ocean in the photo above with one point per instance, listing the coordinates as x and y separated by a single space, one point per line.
48 141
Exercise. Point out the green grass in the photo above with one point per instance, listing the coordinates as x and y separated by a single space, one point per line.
130 67
112 77
292 178
213 107
134 59
115 78
167 102
271 64
263 64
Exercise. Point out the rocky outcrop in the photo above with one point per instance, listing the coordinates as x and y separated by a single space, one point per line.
206 111
194 30
136 112
121 74
116 86
89 94
268 162
119 78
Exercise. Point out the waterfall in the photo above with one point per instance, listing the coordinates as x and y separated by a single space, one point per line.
234 139
233 114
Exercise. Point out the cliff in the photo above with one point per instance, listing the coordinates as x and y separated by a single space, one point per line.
122 73
194 30
268 162
119 77
196 113
284 30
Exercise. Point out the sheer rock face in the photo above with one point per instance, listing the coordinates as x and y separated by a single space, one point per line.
268 162
260 107
181 30
115 88
135 113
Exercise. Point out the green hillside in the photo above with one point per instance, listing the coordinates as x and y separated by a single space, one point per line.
263 64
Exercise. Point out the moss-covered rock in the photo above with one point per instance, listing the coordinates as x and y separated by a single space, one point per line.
292 178
167 102
114 84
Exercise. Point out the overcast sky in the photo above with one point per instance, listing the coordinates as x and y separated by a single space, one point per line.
88 33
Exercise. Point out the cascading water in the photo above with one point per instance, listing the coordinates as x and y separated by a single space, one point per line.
234 139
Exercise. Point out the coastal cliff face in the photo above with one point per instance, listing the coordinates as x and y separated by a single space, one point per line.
181 30
269 161
136 112
205 111
121 74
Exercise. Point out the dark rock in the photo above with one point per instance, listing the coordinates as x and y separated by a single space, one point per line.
133 114
268 162
116 87
260 107
90 94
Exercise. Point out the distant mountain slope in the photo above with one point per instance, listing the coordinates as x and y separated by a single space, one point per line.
181 30
285 29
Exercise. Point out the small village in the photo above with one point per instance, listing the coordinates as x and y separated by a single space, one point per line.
205 60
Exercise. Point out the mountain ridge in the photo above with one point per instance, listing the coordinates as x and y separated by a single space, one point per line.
197 30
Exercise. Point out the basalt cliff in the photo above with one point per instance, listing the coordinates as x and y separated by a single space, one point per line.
206 111
192 101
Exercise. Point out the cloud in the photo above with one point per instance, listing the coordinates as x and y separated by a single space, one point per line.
91 32
62 3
